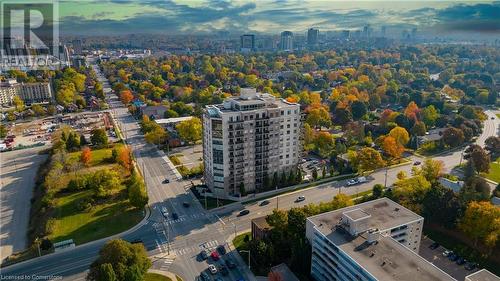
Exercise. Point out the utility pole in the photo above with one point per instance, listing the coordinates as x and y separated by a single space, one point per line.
385 182
248 252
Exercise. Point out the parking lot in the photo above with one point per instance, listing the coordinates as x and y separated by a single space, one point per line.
436 257
189 156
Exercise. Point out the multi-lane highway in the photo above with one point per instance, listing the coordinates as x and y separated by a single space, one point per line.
173 244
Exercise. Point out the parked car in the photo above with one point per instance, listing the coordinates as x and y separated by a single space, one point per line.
470 266
215 256
453 257
447 253
204 276
362 179
175 216
203 255
164 212
137 241
434 246
166 181
244 212
300 199
212 269
352 182
416 163
218 279
263 203
230 264
221 249
185 204
461 261
223 270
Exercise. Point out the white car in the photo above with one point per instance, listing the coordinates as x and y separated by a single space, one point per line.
362 180
352 182
164 212
212 269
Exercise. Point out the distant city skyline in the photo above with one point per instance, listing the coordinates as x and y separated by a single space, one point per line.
272 17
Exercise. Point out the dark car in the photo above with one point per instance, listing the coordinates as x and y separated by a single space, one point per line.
453 257
204 276
221 249
166 181
230 264
136 241
264 203
203 255
175 216
185 204
416 163
223 270
434 246
461 261
244 212
471 266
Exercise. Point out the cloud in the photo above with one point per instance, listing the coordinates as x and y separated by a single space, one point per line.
171 16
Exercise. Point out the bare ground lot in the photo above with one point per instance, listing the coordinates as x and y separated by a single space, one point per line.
17 170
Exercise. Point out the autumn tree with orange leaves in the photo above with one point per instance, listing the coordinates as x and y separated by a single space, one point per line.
125 158
412 111
126 96
392 148
86 156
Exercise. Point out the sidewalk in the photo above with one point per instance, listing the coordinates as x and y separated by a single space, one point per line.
248 274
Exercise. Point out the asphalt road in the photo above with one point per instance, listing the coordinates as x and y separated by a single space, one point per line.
173 245
18 170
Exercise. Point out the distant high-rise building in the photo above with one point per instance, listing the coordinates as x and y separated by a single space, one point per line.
366 31
286 43
383 31
346 33
77 47
312 37
247 42
414 33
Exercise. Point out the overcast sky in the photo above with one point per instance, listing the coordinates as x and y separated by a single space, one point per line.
196 16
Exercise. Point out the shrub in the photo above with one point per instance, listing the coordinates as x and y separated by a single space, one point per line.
49 226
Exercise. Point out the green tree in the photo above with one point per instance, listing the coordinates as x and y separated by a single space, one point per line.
432 169
315 174
190 130
377 190
18 103
453 137
410 192
400 135
157 136
98 137
479 157
104 182
358 109
369 159
480 222
106 272
137 194
475 189
122 256
38 109
3 131
324 143
430 115
441 206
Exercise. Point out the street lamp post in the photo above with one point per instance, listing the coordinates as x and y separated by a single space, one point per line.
248 252
385 181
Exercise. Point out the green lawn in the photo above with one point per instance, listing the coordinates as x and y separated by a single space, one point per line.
99 156
102 220
155 277
239 241
494 173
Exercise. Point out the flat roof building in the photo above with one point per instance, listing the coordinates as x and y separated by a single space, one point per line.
375 240
482 275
